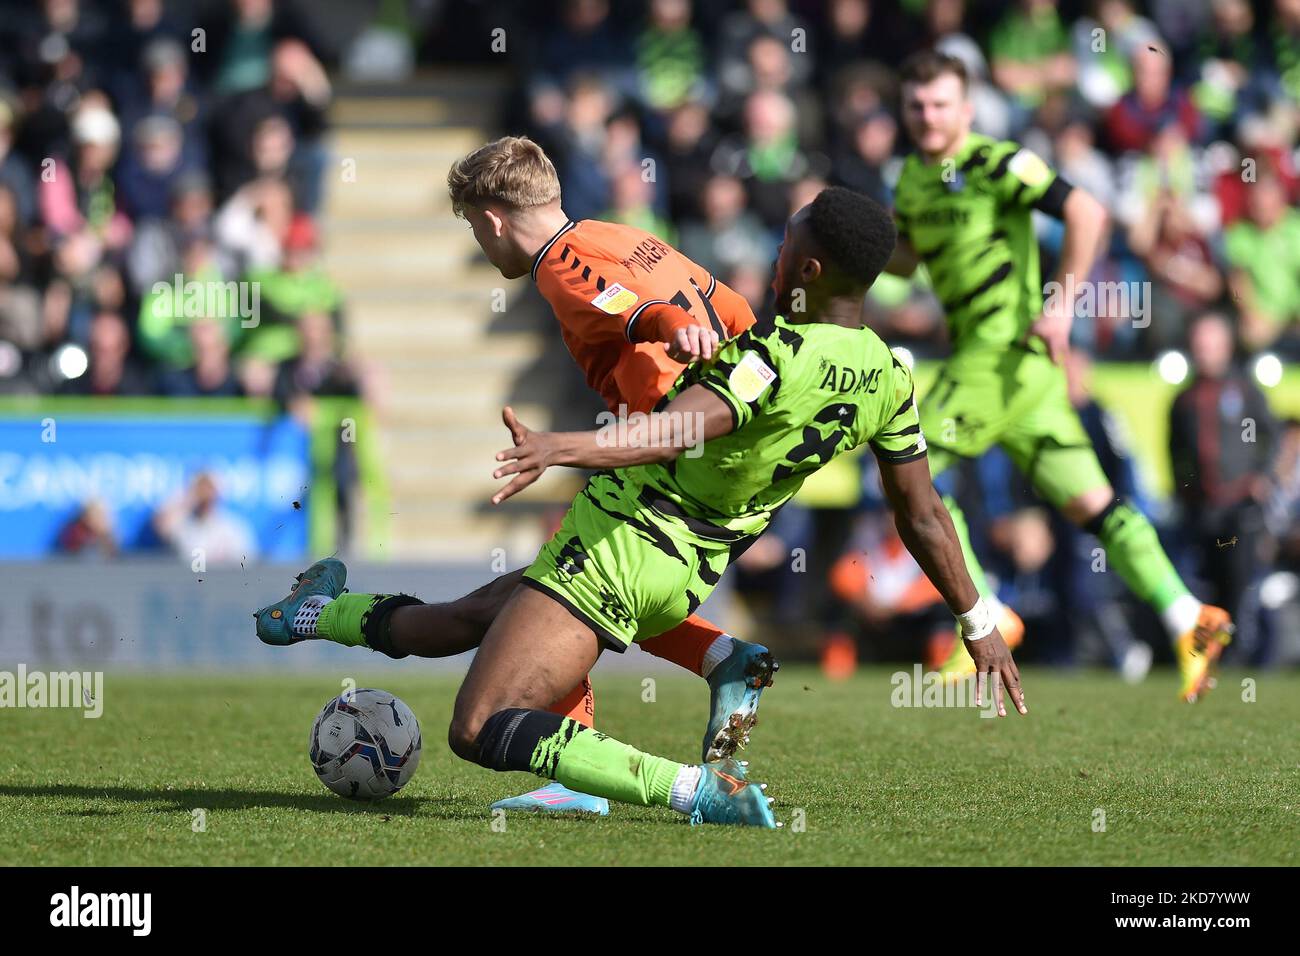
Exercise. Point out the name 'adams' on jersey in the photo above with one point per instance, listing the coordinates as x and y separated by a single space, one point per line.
800 394
968 217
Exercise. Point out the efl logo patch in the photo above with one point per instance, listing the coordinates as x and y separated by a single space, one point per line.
750 378
1027 167
615 299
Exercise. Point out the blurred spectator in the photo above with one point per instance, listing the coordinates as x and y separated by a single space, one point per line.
1030 52
20 302
878 579
158 243
298 285
147 175
197 528
77 200
1231 57
211 373
252 224
173 304
765 155
90 533
578 140
15 177
670 56
111 370
760 18
1152 105
1222 438
165 91
276 128
1104 45
633 204
241 38
1263 252
729 235
691 140
1186 279
864 163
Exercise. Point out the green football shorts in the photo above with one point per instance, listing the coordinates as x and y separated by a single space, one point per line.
1017 399
628 563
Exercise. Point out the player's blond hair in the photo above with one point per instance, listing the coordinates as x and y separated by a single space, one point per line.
512 170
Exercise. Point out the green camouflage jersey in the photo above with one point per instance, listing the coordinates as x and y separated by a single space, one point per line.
643 546
968 219
799 394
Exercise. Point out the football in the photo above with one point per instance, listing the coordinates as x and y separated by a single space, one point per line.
365 744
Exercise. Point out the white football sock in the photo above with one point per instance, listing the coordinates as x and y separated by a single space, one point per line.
1181 616
304 622
684 787
718 652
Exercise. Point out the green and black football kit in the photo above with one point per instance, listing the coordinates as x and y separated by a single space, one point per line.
642 547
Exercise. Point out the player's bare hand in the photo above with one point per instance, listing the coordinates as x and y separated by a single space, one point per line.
527 460
692 343
1053 327
996 670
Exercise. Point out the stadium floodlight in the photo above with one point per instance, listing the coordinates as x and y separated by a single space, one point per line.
69 362
1268 370
1172 366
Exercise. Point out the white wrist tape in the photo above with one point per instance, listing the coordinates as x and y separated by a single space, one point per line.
977 622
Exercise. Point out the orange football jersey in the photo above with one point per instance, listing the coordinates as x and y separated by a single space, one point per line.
620 293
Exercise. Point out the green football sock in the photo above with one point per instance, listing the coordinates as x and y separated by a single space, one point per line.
588 761
343 619
1133 547
963 536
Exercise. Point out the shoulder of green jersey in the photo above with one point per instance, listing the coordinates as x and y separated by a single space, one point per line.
1028 167
750 378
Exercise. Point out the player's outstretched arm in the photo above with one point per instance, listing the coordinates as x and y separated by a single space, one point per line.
692 418
1085 223
926 528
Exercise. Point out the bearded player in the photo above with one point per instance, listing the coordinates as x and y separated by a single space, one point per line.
632 310
963 205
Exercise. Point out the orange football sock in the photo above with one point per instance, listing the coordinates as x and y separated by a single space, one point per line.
578 704
685 644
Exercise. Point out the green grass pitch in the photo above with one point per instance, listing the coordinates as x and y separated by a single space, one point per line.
1218 783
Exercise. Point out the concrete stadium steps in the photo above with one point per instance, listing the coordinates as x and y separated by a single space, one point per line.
420 303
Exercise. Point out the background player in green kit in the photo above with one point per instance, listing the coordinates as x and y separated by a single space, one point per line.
648 539
963 207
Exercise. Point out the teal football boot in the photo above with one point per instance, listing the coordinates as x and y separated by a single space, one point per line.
735 686
726 795
275 622
555 798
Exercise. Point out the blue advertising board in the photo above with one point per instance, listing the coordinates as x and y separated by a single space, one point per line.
51 467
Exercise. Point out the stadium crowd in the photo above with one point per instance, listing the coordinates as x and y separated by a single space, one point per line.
160 182
159 186
709 123
149 157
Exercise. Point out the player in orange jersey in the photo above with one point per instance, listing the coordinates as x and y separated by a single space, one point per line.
631 310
